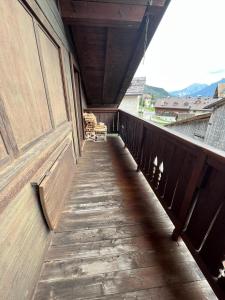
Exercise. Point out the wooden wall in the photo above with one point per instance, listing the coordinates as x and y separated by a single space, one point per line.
40 108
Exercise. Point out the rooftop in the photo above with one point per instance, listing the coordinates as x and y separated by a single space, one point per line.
137 86
202 117
185 103
215 103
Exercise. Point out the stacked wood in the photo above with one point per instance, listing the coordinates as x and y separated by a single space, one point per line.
93 130
100 131
90 123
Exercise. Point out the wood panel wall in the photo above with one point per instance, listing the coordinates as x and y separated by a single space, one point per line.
23 240
40 109
71 99
22 88
53 75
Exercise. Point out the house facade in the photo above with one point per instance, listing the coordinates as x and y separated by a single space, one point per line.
134 95
194 127
220 91
208 127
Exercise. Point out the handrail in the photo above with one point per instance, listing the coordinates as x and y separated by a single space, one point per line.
181 137
188 178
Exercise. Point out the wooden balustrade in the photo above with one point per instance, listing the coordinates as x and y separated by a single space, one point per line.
188 178
109 116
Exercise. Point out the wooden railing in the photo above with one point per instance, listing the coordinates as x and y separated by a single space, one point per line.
109 116
188 178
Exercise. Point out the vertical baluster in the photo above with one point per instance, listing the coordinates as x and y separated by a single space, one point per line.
140 136
141 149
154 149
155 167
167 160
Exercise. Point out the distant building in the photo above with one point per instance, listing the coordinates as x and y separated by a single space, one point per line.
215 134
220 91
182 108
194 127
134 95
171 106
209 127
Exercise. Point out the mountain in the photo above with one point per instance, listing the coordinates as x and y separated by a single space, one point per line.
208 91
190 90
198 89
156 92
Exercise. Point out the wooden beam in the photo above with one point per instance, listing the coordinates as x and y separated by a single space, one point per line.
140 47
88 13
106 64
131 2
121 43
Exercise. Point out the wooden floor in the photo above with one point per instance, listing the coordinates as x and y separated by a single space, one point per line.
113 240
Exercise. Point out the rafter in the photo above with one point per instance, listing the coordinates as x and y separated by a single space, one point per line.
88 13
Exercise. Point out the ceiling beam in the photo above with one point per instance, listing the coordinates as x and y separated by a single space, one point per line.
107 45
88 13
119 51
132 2
140 47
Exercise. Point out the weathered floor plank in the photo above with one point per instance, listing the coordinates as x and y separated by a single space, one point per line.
113 239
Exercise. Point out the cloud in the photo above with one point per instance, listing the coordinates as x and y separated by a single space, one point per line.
221 71
187 46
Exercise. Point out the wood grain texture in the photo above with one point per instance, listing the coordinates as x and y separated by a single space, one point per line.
23 240
52 65
27 142
102 14
110 39
119 51
189 187
104 56
22 87
78 103
24 233
131 2
7 132
71 99
21 170
51 12
113 240
3 152
54 187
49 15
6 155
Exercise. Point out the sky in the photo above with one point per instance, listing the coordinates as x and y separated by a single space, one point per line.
188 46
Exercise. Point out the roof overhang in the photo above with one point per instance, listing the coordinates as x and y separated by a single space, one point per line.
198 118
110 37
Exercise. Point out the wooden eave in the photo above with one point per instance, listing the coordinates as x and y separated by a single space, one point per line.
109 38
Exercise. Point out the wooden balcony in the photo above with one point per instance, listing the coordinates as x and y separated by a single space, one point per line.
114 241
